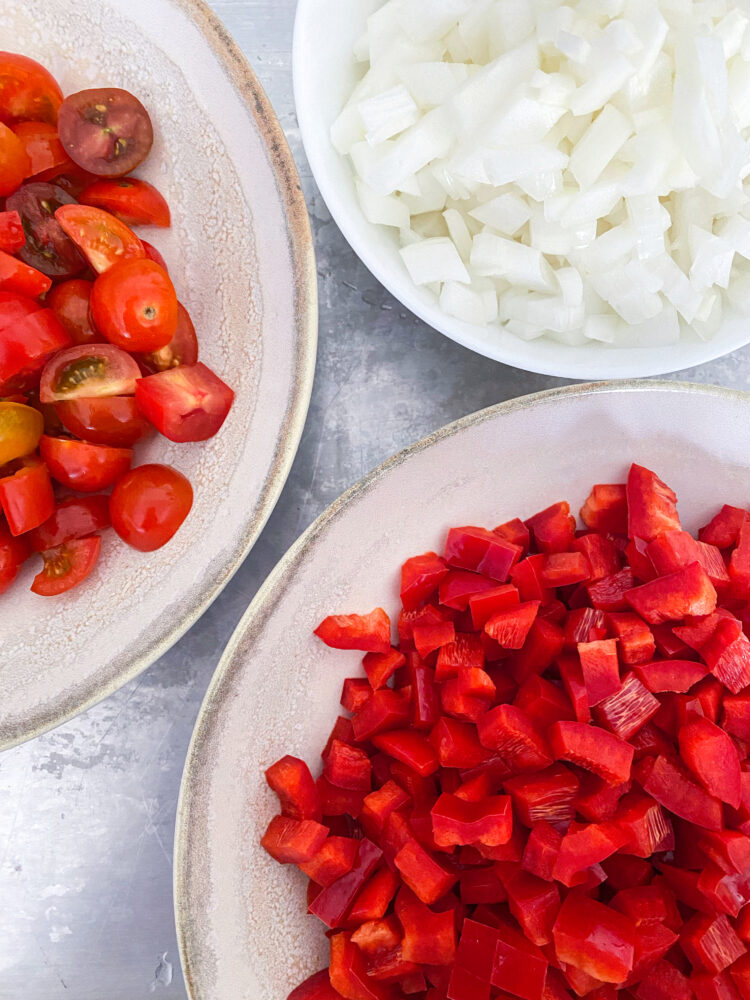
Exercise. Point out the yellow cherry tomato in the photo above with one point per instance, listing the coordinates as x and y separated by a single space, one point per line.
21 427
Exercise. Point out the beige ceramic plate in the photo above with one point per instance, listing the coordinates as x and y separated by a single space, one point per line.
241 918
241 255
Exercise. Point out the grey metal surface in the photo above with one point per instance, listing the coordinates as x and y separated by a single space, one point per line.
87 811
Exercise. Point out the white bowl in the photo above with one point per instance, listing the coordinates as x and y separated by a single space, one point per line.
324 76
240 252
241 917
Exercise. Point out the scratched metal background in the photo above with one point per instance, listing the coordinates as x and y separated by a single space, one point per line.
87 812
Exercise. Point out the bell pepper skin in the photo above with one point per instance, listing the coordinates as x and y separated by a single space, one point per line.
712 757
510 628
481 885
740 973
708 987
546 796
711 943
488 603
384 709
543 701
608 594
636 640
518 967
585 847
729 850
410 748
460 585
739 564
374 898
354 693
670 675
457 744
427 638
652 505
293 841
674 549
348 972
481 551
561 569
348 767
606 509
736 715
380 667
724 528
623 871
370 633
598 751
543 645
601 669
291 780
510 732
420 578
664 982
571 675
515 532
426 615
553 529
335 858
429 937
541 850
628 709
334 901
594 938
317 987
600 554
668 783
535 904
646 828
464 985
672 597
428 879
456 822
526 576
644 904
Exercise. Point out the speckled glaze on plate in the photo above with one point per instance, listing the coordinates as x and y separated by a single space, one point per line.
241 918
240 252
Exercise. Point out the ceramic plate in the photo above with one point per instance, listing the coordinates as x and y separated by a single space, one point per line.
241 917
240 253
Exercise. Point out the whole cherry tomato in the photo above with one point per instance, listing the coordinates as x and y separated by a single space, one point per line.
149 504
87 468
134 305
70 303
66 566
113 420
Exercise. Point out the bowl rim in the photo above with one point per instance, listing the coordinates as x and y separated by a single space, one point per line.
253 619
302 254
646 362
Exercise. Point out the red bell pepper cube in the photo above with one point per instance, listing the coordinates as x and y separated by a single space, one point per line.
636 640
708 987
739 563
337 801
481 885
543 645
594 938
348 767
712 757
476 949
384 709
670 675
547 796
535 904
597 800
456 821
481 551
457 744
652 505
425 703
644 904
725 893
511 733
291 780
601 669
637 557
594 749
541 850
668 782
293 841
429 937
354 693
519 967
380 935
727 654
390 966
378 806
462 706
543 701
526 576
420 578
428 638
561 569
698 630
342 730
27 498
334 901
740 973
608 594
515 532
410 748
606 509
728 849
572 678
584 847
669 598
12 236
553 529
460 585
664 982
474 683
584 625
724 528
623 871
317 987
375 896
464 985
427 614
711 943
427 877
370 633
600 553
644 824
510 628
486 604
380 667
463 652
674 549
652 943
628 709
736 715
335 858
348 972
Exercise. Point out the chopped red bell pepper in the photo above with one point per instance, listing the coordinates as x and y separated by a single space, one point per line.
541 850
671 675
601 669
481 551
348 767
597 800
711 943
584 847
674 549
652 505
384 709
374 898
380 667
334 901
572 678
727 654
481 885
428 638
427 877
628 709
646 828
509 628
370 633
664 982
669 598
336 801
293 841
378 806
463 652
724 528
526 576
708 987
608 594
543 701
457 744
291 780
486 604
712 757
561 569
601 555
460 585
514 531
410 748
420 578
317 987
546 796
668 782
606 509
553 529
740 973
543 645
335 858
425 702
348 972
594 938
354 693
429 937
534 903
584 625
513 734
637 644
739 564
645 904
728 849
519 967
603 753
456 821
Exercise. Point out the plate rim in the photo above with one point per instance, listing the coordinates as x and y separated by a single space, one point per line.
301 246
254 616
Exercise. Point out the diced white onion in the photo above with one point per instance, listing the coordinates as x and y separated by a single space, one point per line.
434 260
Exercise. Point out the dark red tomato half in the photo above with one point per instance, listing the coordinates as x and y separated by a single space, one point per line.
87 371
75 518
87 468
70 303
149 504
13 553
136 202
181 350
47 247
25 347
28 92
27 498
66 566
134 305
112 420
185 404
106 131
43 148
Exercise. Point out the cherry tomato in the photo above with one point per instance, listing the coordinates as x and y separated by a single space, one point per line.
14 308
113 420
26 497
70 303
28 92
13 553
149 504
75 518
47 248
15 276
88 370
103 239
25 347
66 566
134 305
153 254
185 404
14 163
21 427
43 148
12 236
106 131
135 202
181 350
87 468
74 180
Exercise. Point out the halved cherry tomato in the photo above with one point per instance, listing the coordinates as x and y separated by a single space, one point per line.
181 350
14 163
47 247
13 553
185 404
15 276
27 498
21 427
70 303
106 131
25 347
43 148
113 420
66 566
134 305
28 92
153 254
102 238
136 202
149 504
88 370
75 518
12 236
88 468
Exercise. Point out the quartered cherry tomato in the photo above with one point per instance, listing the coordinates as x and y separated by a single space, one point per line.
47 247
75 518
21 427
66 566
181 350
102 238
26 497
13 553
25 347
28 92
134 305
70 303
185 404
153 254
106 131
149 504
135 202
14 163
113 420
47 158
88 370
87 468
